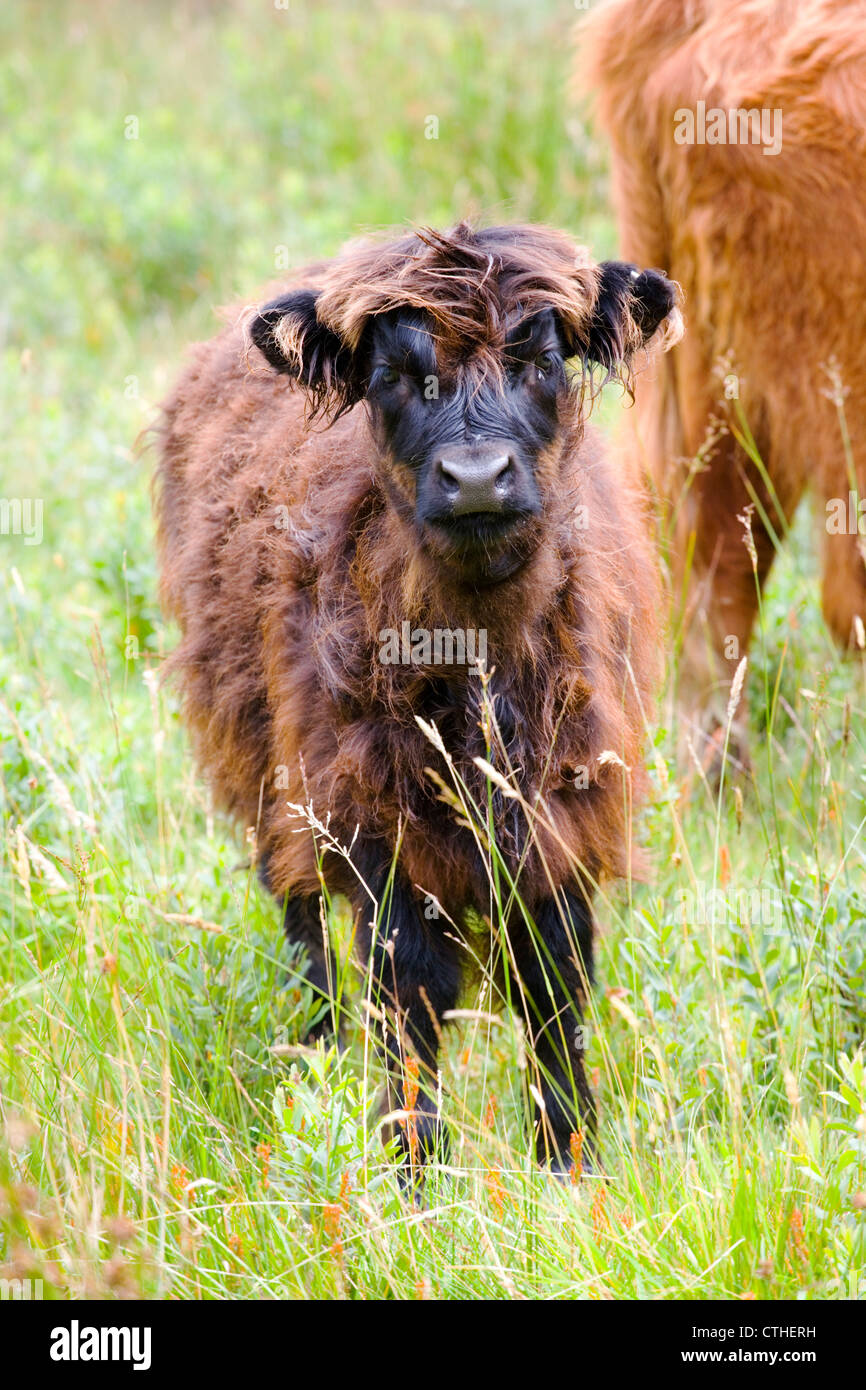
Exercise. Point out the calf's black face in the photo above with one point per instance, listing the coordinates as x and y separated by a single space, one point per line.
464 444
465 410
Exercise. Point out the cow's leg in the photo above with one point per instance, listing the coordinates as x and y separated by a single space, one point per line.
413 978
723 596
843 585
551 971
304 927
730 567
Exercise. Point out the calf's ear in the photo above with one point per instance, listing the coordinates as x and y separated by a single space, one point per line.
631 306
288 332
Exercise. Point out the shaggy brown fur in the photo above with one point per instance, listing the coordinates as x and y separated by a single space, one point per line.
769 251
284 557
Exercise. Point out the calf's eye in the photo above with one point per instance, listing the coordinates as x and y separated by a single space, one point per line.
545 363
390 376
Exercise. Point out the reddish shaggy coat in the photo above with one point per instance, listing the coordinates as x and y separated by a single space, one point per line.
768 250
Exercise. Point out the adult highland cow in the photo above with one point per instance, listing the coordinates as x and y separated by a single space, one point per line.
455 489
738 137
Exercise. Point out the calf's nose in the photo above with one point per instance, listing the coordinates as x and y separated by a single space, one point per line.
476 480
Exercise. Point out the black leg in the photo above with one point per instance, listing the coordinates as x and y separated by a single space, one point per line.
551 972
415 978
302 923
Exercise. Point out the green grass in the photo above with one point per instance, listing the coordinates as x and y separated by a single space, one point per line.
161 1136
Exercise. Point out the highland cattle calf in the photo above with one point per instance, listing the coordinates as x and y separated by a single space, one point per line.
450 487
738 137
